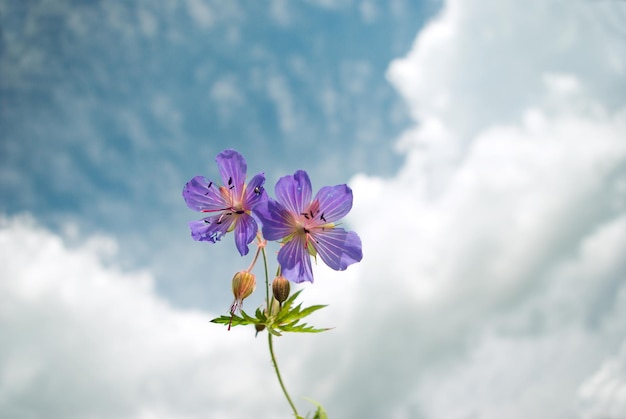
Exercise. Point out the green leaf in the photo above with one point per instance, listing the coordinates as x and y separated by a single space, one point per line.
287 319
320 413
235 320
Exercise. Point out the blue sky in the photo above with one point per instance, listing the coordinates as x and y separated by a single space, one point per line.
485 146
110 107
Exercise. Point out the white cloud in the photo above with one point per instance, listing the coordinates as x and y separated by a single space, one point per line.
603 395
83 339
279 12
368 10
280 94
201 13
484 62
493 280
227 97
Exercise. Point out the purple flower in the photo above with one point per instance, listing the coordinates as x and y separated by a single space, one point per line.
307 227
229 204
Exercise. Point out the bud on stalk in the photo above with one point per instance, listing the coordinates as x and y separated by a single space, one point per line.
244 284
280 288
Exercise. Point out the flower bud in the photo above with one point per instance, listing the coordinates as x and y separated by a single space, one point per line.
259 327
280 288
244 284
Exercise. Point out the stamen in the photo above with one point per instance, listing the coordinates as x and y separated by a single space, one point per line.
257 190
224 214
322 217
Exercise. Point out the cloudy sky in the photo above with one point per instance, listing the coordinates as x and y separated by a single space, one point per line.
485 143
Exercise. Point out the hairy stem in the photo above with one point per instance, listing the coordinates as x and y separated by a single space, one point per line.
280 380
269 338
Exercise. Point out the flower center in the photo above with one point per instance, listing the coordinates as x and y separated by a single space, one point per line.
234 203
309 221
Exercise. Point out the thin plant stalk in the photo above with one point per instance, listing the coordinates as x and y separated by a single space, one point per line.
269 339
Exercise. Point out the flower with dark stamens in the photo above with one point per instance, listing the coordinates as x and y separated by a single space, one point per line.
307 227
230 205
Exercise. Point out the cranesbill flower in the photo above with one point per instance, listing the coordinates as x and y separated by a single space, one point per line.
230 205
307 227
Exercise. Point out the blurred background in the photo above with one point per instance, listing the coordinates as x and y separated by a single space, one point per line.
485 142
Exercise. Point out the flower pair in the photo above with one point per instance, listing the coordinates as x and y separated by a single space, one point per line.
305 225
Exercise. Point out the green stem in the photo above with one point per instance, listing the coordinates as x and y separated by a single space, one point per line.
269 338
267 283
280 380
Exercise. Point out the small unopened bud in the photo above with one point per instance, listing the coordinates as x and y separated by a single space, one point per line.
259 327
244 284
280 288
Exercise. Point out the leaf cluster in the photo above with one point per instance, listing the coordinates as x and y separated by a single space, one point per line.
288 318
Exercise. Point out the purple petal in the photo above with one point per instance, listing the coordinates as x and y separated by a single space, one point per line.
338 248
245 231
210 229
295 262
335 201
275 218
255 192
232 167
294 192
202 194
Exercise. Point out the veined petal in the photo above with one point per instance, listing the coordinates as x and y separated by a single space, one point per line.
295 261
232 167
337 247
245 231
335 201
255 192
294 192
202 194
276 220
210 229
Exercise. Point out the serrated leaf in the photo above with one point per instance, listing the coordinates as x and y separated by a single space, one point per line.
235 320
287 319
